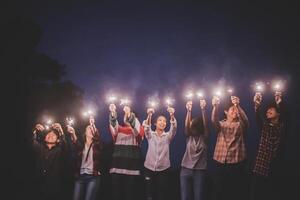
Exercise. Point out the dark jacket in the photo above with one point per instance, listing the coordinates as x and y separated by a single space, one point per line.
97 155
51 167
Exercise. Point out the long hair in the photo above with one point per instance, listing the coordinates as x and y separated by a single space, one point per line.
197 126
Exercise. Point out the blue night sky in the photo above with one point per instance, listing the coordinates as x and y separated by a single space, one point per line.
144 49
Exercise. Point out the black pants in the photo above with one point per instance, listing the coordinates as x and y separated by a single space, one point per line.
156 184
267 187
125 187
231 181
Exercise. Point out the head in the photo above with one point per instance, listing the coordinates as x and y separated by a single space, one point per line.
231 111
88 132
197 127
52 136
161 122
126 123
272 112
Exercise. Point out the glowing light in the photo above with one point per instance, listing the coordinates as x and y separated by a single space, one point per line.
189 95
88 113
125 102
218 92
200 94
111 99
278 86
70 121
152 103
169 101
230 91
259 87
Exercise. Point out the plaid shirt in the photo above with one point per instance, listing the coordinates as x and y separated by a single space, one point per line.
271 136
230 146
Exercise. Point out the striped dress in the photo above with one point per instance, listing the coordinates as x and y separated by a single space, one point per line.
126 158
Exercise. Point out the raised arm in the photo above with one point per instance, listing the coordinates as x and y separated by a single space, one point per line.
204 116
147 123
173 122
188 118
214 115
36 137
241 113
113 122
257 107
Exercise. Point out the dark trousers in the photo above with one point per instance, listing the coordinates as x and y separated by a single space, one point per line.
125 187
266 188
230 181
156 184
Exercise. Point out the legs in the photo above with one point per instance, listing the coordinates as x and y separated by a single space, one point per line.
150 184
198 184
86 187
163 185
186 183
92 188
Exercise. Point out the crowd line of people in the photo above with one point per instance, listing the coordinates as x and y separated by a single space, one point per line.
56 150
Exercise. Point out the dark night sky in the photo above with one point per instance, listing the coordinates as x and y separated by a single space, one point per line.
142 49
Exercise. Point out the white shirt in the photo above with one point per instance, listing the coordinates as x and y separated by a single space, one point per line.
158 155
87 165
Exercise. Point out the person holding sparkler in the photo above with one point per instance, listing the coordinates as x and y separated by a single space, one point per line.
267 167
88 161
126 159
157 161
230 150
51 156
194 162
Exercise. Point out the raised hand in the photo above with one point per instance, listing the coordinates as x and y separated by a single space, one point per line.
150 111
257 98
235 100
202 104
38 128
189 106
215 101
58 127
278 97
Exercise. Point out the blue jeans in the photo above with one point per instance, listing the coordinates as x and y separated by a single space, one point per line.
86 187
192 183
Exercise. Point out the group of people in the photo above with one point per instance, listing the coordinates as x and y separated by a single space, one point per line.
56 151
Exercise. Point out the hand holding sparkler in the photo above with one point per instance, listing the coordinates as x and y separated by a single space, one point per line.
278 97
189 96
259 87
235 100
58 127
171 112
189 106
215 101
127 111
38 128
70 121
202 104
257 100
